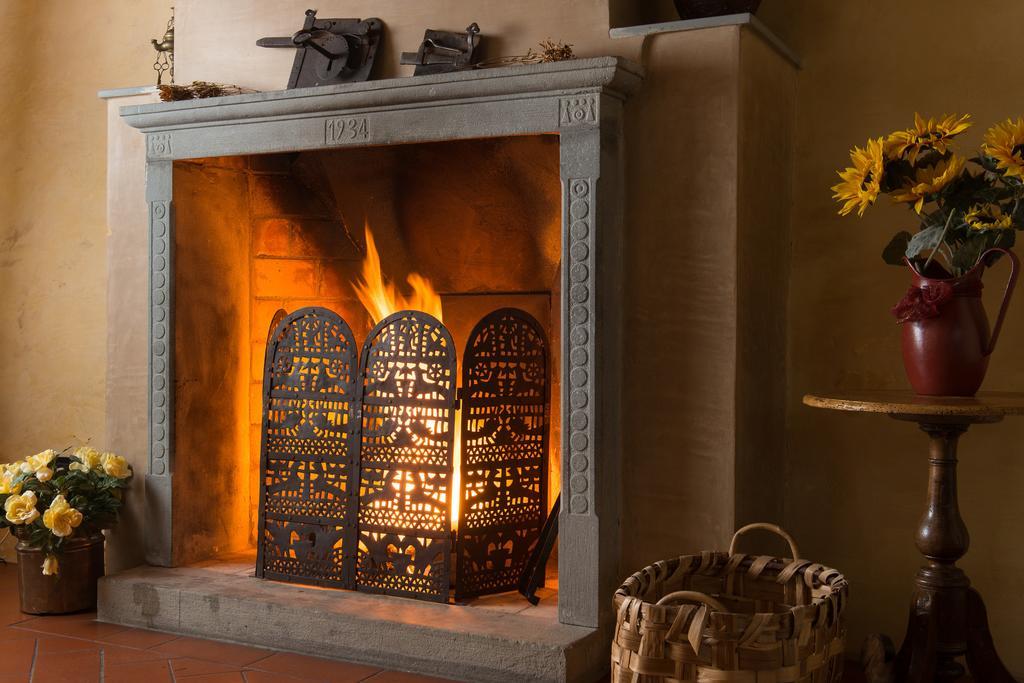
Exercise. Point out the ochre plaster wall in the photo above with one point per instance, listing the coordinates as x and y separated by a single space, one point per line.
217 41
52 210
856 484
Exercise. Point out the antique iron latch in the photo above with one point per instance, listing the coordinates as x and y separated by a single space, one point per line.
444 51
331 51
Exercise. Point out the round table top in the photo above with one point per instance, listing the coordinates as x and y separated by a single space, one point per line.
908 404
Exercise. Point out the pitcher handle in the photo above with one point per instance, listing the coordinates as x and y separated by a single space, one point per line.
1010 284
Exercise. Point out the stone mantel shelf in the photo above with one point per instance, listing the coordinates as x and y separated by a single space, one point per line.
613 76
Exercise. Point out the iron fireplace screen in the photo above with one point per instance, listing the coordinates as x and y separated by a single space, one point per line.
309 452
408 415
504 446
357 461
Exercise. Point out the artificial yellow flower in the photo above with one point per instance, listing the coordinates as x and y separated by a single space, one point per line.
115 466
989 217
862 181
927 134
7 484
38 461
61 518
21 509
50 565
88 459
929 180
1004 142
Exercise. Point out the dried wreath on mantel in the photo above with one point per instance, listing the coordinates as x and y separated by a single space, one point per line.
199 90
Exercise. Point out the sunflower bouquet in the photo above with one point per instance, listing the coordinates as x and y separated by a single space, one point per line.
51 497
964 206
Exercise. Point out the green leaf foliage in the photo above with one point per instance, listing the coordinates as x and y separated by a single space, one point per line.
925 241
896 249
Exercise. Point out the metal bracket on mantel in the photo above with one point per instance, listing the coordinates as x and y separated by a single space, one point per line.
331 51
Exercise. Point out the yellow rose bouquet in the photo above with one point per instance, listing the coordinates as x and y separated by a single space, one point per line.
51 497
964 206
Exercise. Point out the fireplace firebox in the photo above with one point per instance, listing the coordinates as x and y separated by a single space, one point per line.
358 457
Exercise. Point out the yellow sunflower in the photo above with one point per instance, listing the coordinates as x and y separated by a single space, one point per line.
989 217
926 134
1004 142
929 180
862 181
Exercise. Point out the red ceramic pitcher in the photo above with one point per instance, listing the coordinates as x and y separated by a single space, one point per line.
946 339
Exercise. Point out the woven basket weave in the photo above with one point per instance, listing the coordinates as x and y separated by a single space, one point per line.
731 617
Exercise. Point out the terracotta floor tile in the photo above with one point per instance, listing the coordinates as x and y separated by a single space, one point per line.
403 677
228 677
153 671
10 614
71 667
77 627
15 678
227 653
17 656
315 668
184 667
115 654
254 676
137 637
9 633
59 644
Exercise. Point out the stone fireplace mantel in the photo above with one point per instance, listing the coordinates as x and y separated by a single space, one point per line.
580 101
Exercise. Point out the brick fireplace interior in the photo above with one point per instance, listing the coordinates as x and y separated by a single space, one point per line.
259 234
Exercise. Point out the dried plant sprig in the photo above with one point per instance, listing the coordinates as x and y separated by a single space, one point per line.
199 90
549 51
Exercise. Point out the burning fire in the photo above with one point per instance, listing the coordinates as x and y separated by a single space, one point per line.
379 296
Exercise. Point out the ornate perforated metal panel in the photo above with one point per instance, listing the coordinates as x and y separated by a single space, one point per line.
504 450
407 394
309 452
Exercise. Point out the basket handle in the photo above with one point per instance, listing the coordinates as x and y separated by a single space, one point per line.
777 530
692 596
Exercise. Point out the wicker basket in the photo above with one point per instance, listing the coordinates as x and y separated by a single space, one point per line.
727 617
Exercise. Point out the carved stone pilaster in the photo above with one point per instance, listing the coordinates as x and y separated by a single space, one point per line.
578 486
161 342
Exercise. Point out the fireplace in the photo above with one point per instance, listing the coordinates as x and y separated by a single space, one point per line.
336 439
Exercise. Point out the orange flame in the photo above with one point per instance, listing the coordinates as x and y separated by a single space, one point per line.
380 298
379 295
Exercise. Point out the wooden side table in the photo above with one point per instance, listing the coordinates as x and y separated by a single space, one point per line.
947 616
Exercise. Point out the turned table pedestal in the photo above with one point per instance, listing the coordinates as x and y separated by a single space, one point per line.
947 616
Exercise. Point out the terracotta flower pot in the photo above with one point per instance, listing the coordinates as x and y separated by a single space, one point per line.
946 339
73 588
